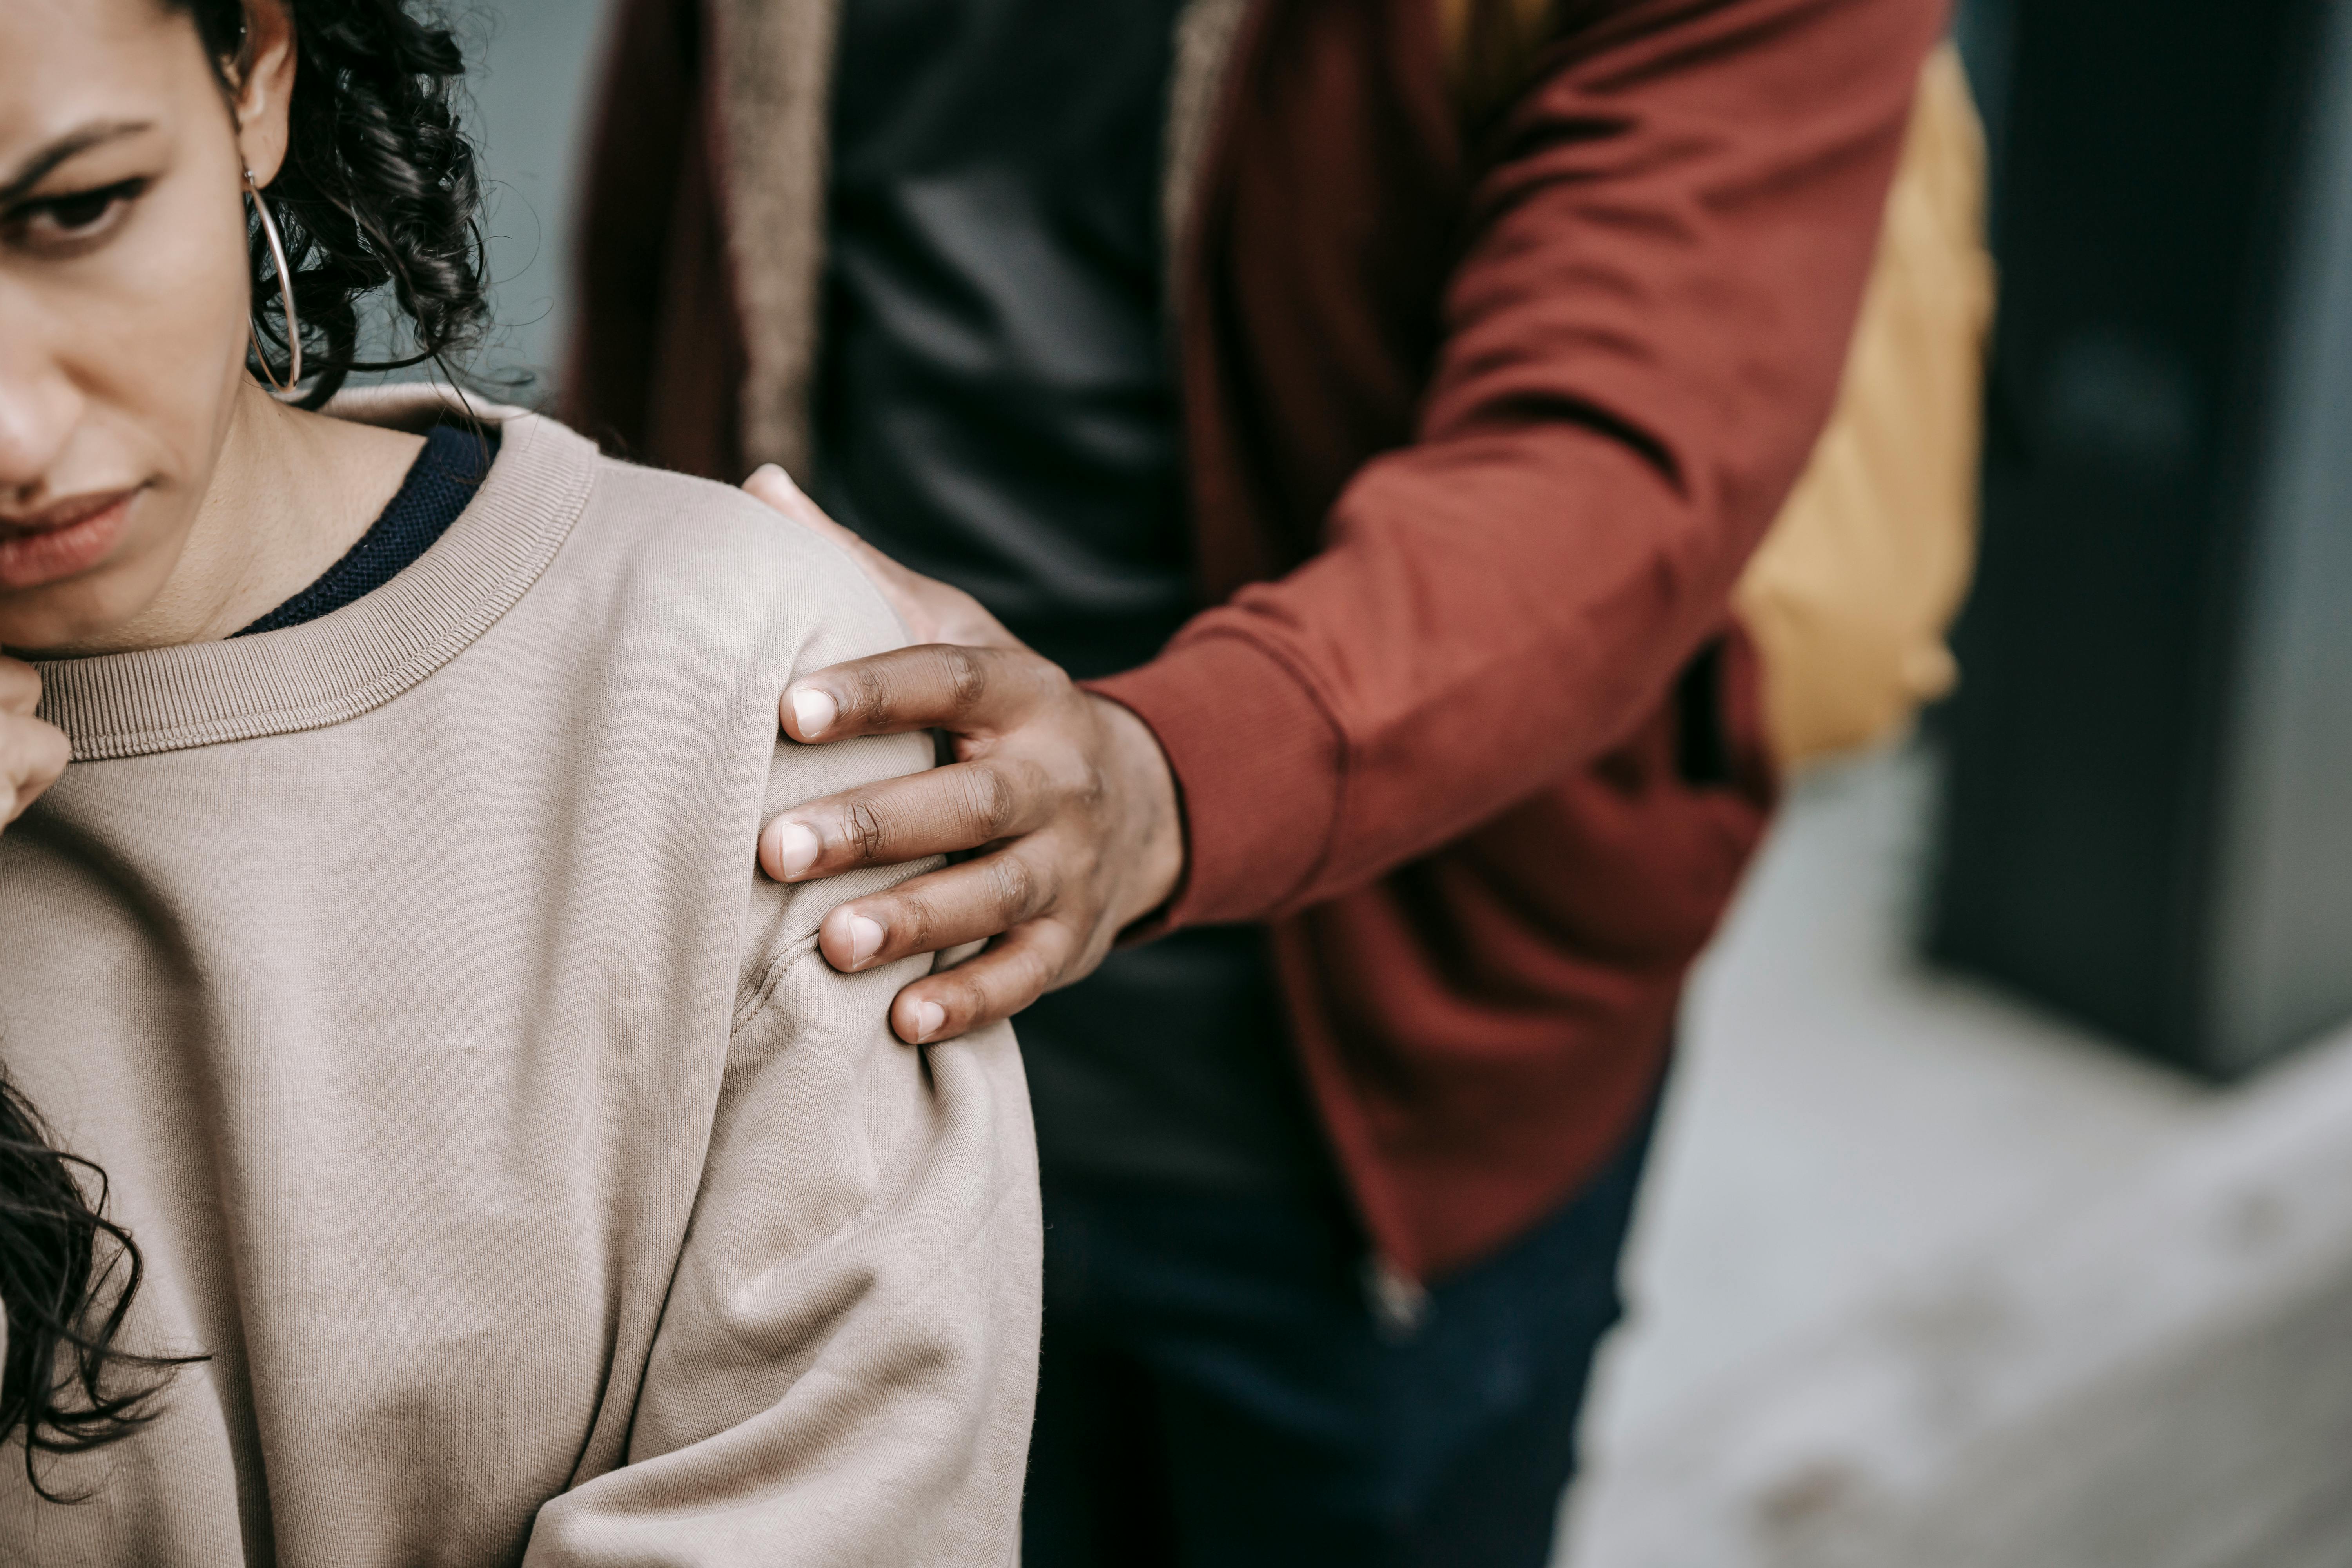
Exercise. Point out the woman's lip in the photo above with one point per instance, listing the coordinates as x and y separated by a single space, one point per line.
64 542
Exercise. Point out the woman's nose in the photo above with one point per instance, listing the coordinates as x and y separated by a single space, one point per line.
39 401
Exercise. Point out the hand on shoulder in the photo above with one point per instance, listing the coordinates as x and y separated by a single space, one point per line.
1062 799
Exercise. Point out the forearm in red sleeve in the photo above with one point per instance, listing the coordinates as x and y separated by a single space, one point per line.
1640 346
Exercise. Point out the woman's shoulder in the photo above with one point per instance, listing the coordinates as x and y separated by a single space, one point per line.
697 565
725 585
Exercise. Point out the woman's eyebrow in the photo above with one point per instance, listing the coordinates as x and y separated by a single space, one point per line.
70 145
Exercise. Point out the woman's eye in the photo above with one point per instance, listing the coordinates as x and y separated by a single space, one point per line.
78 215
73 214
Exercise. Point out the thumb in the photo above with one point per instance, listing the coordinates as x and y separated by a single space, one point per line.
772 485
931 610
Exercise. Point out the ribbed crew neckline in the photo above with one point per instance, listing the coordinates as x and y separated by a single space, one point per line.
439 487
358 658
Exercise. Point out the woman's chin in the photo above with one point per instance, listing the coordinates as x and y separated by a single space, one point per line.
75 590
62 621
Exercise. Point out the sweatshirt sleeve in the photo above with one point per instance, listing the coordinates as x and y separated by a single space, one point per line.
846 1367
846 1364
1638 346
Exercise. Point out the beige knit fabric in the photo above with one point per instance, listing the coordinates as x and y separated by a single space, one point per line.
537 1191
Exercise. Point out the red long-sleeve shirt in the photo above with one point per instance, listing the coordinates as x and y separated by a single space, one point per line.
1481 431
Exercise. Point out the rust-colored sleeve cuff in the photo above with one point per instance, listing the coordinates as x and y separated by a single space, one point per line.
1257 767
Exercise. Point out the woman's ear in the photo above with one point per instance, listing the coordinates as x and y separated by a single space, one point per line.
265 87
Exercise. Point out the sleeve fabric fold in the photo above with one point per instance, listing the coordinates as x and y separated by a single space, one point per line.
844 1369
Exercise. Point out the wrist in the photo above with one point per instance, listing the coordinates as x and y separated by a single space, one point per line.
1145 792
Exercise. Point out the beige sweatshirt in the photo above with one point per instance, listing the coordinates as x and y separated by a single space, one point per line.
538 1191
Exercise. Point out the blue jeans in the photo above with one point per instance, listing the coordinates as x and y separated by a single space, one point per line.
1217 1390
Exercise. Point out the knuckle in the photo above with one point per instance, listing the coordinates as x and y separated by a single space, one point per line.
1031 778
989 802
866 698
862 833
1064 941
1051 689
966 674
1091 785
964 995
913 925
1012 886
1035 972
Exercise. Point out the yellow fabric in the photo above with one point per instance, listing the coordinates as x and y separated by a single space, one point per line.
1850 595
1489 47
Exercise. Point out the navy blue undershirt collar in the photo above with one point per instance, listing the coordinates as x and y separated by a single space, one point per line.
440 485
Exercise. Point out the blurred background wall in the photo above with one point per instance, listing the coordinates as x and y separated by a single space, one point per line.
536 64
1941 1262
2145 824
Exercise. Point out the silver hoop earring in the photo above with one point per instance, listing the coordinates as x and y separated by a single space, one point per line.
285 298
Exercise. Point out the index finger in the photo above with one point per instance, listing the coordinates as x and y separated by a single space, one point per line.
20 687
33 756
932 686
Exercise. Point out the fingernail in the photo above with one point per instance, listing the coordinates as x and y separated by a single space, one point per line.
814 712
796 847
864 938
774 472
929 1017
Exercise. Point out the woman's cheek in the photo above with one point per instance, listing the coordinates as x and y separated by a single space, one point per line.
173 354
188 264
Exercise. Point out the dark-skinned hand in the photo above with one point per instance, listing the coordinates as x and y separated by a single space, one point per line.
1063 800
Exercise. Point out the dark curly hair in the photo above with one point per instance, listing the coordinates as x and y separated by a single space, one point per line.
68 1274
379 188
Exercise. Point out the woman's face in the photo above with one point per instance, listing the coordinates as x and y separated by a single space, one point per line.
123 297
